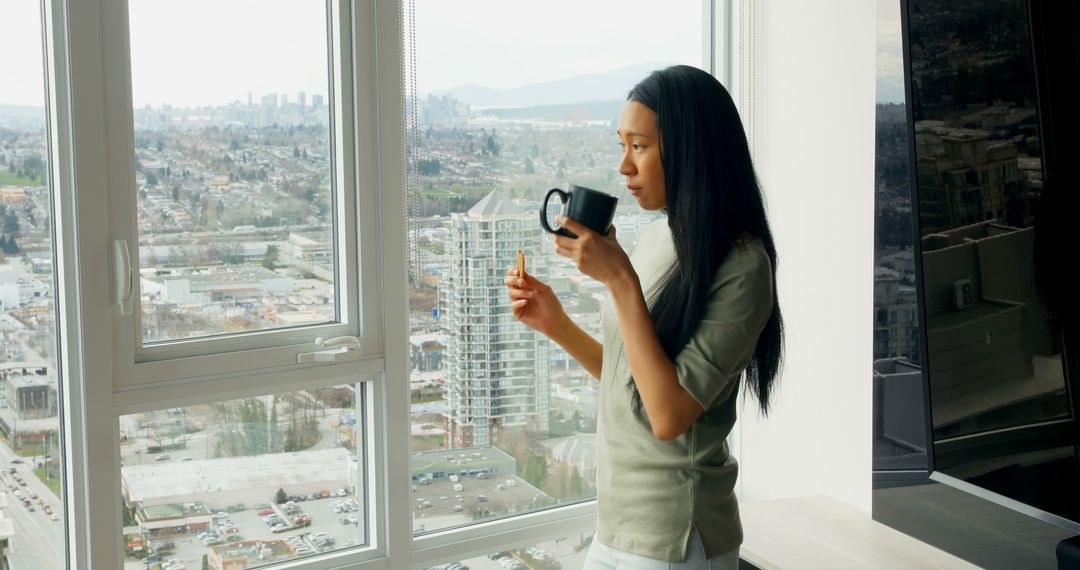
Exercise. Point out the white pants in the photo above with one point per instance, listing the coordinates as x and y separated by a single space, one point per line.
602 557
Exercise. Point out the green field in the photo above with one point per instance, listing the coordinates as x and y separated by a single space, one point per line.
8 178
53 482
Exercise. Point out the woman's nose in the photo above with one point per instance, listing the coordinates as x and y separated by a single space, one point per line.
626 166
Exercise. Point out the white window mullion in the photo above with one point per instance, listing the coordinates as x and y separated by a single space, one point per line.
384 139
78 82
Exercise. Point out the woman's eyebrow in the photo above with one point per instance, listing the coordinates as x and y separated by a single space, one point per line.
632 134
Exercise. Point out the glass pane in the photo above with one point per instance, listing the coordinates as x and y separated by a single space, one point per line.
989 150
899 420
233 166
247 482
993 356
31 459
563 553
503 420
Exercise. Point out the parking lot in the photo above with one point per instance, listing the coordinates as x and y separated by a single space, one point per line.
333 530
439 505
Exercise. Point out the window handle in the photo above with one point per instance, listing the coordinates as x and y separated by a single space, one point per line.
346 341
337 349
125 276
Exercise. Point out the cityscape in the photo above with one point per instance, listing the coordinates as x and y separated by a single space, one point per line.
234 214
234 211
235 217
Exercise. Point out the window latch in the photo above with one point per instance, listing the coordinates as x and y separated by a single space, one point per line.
124 277
337 349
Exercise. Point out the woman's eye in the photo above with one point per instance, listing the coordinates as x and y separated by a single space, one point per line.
638 146
622 146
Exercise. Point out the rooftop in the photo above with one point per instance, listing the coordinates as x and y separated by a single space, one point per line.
456 459
201 476
495 205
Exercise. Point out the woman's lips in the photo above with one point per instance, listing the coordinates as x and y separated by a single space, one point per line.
635 190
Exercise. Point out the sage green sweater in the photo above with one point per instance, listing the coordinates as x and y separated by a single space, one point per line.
650 493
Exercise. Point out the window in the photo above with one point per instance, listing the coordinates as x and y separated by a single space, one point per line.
249 482
240 202
519 435
566 552
32 505
233 169
206 264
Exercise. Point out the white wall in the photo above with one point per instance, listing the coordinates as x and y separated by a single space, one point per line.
815 159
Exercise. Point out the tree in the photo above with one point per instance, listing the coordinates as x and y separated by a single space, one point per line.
529 168
280 496
270 258
176 193
275 433
491 145
232 253
128 514
10 246
429 167
11 224
577 484
151 180
535 471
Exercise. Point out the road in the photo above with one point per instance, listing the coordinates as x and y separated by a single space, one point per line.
38 543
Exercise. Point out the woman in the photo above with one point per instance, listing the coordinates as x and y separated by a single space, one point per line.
691 310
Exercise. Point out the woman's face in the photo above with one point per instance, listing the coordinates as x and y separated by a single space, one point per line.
639 138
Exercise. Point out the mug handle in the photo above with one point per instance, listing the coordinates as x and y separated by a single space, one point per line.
563 197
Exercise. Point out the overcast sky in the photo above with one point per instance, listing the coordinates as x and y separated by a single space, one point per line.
216 51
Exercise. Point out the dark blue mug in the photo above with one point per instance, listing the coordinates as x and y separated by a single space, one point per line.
591 208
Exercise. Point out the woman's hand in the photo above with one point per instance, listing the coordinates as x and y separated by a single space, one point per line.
596 255
533 302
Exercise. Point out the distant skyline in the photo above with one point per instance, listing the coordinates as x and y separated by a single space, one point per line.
172 43
287 53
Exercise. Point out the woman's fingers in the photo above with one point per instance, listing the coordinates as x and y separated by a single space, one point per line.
512 280
573 225
521 294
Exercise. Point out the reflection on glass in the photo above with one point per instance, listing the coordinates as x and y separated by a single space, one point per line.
234 179
504 420
31 460
245 483
994 361
992 358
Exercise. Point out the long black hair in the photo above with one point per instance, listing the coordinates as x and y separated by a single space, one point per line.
712 196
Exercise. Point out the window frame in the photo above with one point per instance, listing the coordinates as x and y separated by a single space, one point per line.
354 185
85 41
